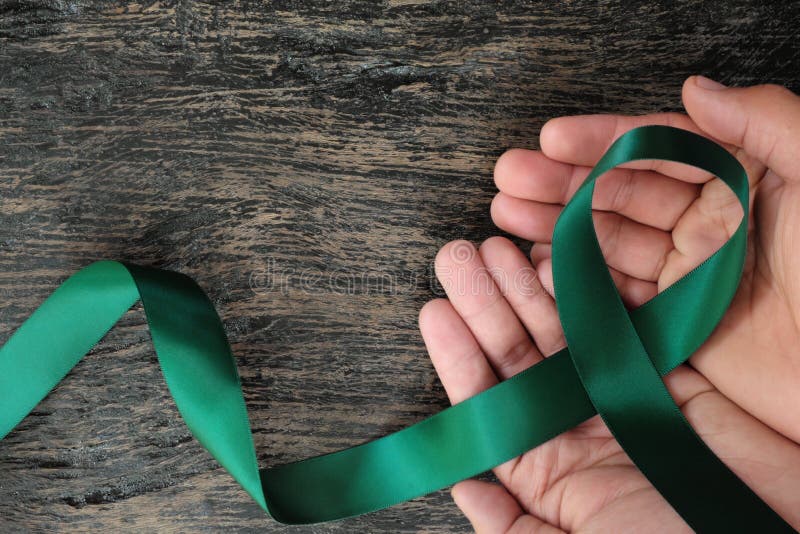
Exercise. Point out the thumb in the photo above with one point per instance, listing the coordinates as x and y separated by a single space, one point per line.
764 120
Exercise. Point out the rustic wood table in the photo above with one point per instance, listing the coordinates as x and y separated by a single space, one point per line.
303 161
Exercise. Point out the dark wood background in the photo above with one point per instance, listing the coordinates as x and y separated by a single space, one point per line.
303 160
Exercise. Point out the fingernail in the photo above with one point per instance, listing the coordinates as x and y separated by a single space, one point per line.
707 83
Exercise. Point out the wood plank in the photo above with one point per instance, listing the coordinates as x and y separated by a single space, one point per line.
303 161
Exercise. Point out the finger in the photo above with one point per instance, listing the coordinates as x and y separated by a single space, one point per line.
540 251
643 196
476 298
519 282
458 359
583 139
634 292
456 355
762 119
707 224
492 510
489 507
630 247
529 524
527 219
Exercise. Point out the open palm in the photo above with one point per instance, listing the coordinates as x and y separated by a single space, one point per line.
655 222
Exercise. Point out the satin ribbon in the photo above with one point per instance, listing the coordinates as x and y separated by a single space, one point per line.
614 366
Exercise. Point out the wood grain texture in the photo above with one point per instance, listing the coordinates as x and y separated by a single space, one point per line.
303 161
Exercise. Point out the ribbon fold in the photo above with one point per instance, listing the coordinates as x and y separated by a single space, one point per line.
613 366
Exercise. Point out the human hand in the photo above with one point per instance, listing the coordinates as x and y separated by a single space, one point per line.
655 222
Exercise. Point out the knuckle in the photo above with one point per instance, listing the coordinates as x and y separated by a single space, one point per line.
772 90
623 192
516 354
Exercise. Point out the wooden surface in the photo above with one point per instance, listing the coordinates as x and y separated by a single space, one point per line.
303 161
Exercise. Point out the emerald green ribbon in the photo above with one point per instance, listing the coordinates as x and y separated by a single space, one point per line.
613 367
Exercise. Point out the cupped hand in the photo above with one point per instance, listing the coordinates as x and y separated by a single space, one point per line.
655 222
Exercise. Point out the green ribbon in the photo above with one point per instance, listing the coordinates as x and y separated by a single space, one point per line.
613 367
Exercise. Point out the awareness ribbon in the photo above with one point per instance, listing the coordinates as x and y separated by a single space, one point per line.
613 366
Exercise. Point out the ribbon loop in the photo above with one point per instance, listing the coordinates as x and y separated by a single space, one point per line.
613 363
